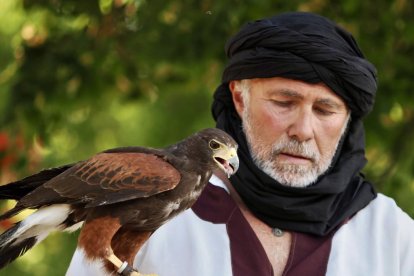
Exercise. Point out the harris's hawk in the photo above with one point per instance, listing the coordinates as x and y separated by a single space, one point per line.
119 197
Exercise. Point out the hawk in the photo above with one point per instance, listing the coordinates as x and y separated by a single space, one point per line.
119 197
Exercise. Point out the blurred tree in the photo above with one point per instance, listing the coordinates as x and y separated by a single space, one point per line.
77 77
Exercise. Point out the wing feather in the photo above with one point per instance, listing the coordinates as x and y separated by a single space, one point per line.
108 178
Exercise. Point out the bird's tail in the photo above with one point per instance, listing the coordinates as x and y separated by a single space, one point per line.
12 212
18 189
25 234
9 250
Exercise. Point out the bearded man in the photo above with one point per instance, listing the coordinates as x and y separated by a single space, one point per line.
293 95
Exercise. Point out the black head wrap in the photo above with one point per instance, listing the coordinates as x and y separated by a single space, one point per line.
310 48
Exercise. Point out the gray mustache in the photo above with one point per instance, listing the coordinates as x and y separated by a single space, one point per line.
294 147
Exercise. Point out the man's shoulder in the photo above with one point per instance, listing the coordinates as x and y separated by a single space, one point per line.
382 205
381 213
382 233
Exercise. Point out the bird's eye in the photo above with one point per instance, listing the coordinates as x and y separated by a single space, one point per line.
214 145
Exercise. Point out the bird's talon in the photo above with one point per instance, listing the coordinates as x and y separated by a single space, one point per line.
136 273
130 271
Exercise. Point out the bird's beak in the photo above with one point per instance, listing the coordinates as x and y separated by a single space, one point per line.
227 160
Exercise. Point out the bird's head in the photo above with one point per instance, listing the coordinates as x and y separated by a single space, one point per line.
223 149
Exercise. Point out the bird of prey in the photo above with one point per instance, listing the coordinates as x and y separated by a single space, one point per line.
119 197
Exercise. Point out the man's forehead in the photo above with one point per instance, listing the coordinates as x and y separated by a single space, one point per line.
297 89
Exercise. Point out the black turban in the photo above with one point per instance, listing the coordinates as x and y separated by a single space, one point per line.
305 47
310 48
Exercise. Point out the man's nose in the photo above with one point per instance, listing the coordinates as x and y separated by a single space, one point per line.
301 127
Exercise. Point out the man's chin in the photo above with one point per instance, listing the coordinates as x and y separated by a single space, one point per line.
288 174
297 182
292 175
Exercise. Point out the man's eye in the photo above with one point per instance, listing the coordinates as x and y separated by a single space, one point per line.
324 112
282 103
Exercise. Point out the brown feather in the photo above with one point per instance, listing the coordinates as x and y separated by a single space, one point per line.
146 173
96 244
108 178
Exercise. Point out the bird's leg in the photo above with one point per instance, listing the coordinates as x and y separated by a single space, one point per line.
95 239
126 244
123 267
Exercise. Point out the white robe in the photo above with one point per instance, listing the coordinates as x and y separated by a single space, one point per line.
378 240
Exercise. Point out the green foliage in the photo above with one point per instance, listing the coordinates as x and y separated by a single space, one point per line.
77 77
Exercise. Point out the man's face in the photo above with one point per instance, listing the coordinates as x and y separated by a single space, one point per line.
293 128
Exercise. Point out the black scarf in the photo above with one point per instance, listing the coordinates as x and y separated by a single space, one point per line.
306 47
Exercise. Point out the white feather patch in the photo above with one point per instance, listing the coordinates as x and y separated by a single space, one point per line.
49 215
198 180
170 207
74 227
194 195
42 222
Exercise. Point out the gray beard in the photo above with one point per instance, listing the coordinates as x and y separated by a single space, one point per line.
292 175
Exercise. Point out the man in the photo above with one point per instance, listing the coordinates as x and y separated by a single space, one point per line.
293 95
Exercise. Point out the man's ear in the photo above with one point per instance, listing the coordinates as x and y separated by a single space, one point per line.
237 97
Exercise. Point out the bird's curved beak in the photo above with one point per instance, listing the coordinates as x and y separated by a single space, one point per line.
227 160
